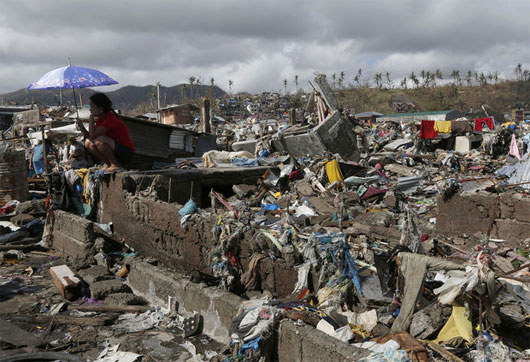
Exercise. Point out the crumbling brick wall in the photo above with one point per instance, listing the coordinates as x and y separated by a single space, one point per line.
503 216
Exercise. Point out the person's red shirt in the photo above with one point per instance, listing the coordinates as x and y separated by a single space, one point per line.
116 129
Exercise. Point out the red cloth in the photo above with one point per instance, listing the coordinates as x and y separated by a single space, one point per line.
479 122
427 130
116 129
489 122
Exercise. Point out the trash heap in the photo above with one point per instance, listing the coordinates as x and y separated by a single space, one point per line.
399 245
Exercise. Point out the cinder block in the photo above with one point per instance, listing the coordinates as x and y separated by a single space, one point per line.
71 247
74 226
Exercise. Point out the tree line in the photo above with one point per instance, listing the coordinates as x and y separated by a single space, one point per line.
421 79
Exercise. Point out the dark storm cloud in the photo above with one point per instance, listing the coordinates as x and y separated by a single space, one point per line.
258 44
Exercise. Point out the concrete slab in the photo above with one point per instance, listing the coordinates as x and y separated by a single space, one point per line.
168 289
307 344
462 144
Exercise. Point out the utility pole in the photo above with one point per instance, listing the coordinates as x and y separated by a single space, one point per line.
158 94
205 116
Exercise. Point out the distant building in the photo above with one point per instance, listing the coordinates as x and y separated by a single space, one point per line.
419 116
176 114
368 118
518 113
7 113
402 103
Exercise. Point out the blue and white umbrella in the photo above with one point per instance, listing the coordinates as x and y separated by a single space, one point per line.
72 77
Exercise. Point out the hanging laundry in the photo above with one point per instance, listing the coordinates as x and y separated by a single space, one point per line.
427 130
442 126
489 122
514 150
460 127
479 122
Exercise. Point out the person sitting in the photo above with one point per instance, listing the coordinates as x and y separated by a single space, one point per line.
107 137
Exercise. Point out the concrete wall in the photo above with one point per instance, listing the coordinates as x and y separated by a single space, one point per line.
152 227
73 236
165 288
307 344
334 135
503 216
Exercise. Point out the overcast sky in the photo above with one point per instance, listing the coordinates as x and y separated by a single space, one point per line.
258 44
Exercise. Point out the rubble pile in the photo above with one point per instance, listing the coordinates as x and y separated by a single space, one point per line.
389 242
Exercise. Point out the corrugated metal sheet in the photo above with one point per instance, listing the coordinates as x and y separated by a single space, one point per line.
177 140
149 140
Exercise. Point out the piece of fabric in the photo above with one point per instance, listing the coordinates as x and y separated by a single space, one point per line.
250 278
252 344
427 130
349 270
458 326
333 171
303 274
189 208
460 127
456 284
479 123
489 122
372 191
413 268
245 162
414 348
116 129
410 236
442 126
514 150
38 157
223 158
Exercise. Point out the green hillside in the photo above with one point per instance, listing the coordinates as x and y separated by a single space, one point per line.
498 98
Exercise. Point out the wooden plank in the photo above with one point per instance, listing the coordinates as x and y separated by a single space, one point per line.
65 280
16 336
444 353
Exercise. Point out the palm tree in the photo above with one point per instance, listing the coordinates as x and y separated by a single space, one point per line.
483 79
519 71
192 82
414 79
356 80
388 80
285 85
378 80
469 77
296 82
230 84
341 79
438 74
334 77
404 83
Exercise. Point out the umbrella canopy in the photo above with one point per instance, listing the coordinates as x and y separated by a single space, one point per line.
72 77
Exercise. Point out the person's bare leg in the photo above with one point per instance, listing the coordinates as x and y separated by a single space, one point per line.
91 146
106 146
